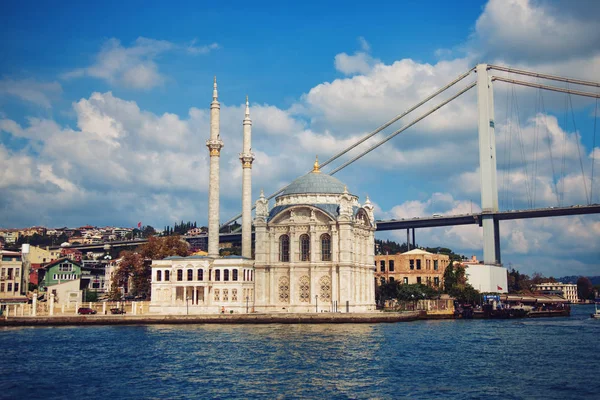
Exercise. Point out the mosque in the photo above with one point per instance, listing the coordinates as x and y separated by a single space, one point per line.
314 250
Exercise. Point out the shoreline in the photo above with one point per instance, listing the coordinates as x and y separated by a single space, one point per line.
323 318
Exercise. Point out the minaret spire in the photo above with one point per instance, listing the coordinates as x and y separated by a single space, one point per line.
215 94
214 144
246 157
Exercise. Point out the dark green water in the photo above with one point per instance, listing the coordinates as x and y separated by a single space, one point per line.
551 358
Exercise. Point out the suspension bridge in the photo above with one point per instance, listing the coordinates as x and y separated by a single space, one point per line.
482 77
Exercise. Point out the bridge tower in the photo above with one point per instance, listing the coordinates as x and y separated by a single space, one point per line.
487 166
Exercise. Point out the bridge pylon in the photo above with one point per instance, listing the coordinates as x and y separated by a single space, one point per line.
487 165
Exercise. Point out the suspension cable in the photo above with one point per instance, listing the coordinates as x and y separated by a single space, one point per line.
547 87
371 134
389 137
545 76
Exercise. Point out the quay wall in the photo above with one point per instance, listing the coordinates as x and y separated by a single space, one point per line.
323 318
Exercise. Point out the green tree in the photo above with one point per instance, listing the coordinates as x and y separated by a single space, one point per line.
134 269
148 231
585 289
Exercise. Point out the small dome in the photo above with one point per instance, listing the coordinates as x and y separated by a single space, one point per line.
315 182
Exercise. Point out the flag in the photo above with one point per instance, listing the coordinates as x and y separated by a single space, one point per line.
498 287
139 225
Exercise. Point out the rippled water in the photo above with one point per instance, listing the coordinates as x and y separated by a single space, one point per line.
552 358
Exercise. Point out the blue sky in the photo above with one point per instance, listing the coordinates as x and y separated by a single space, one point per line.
104 111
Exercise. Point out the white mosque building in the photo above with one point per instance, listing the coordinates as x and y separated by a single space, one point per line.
314 250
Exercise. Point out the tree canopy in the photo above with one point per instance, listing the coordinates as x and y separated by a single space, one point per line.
134 269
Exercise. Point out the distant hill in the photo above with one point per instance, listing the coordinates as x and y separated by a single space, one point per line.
573 279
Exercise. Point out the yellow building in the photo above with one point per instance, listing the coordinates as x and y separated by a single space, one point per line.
415 266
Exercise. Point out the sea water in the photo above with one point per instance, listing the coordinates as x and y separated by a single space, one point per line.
549 358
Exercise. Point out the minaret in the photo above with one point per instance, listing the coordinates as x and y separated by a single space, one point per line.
214 145
246 157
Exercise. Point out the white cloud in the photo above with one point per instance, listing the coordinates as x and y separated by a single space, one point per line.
205 49
361 62
519 30
30 90
134 66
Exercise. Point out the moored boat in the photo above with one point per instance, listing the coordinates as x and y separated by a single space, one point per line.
596 313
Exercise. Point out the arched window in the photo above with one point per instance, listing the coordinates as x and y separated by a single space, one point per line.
217 275
190 275
304 247
235 275
325 247
226 275
284 248
167 275
179 275
158 275
200 274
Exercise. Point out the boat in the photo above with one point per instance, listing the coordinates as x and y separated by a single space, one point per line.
596 313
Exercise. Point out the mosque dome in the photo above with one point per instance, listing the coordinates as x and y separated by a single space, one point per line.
315 182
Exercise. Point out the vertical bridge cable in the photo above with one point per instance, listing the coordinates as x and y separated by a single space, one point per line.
579 151
594 153
368 136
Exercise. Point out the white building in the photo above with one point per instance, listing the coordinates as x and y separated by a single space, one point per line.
487 278
569 290
314 251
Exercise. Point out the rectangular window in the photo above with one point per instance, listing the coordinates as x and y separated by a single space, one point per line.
179 275
17 272
167 276
435 265
391 267
382 265
405 280
54 277
225 294
200 274
10 274
190 275
412 264
235 275
158 275
418 279
9 287
1 287
225 277
436 281
418 264
217 275
391 279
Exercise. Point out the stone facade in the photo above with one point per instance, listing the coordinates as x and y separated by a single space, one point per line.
415 266
200 285
314 252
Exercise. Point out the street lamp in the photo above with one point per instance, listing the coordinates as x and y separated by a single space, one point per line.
316 303
246 304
